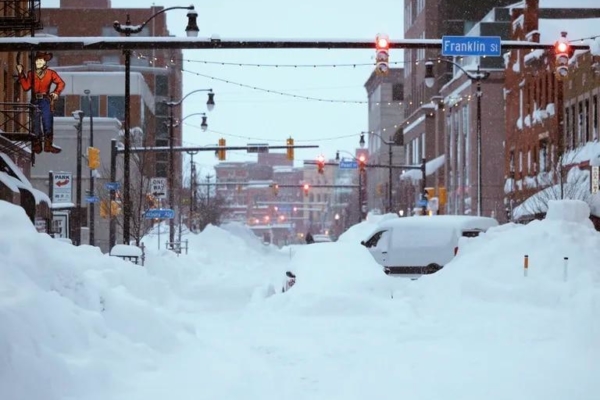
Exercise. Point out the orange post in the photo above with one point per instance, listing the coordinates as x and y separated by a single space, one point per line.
525 264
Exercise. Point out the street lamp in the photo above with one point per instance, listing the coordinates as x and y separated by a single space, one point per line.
91 186
210 105
78 115
477 78
127 29
389 143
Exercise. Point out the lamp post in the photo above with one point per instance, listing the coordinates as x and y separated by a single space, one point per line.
389 143
78 115
477 78
92 194
128 29
210 104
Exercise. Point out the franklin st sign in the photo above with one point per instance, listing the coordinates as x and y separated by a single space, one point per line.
465 46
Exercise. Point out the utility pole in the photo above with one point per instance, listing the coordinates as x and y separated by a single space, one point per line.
78 115
92 189
193 189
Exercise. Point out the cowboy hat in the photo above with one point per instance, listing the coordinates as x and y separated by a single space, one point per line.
42 54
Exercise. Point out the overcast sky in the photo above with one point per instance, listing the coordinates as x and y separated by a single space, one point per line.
243 115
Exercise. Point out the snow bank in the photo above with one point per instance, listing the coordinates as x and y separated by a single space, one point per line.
72 320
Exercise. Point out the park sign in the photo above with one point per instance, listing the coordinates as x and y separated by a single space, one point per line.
476 46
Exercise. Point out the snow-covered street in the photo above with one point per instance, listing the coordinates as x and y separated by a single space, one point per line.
213 324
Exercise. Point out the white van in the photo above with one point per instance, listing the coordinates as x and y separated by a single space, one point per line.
422 245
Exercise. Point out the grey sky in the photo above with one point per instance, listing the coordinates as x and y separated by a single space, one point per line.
244 115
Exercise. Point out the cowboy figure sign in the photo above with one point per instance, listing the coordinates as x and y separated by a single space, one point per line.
43 98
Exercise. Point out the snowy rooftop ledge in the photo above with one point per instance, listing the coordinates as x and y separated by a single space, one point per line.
430 168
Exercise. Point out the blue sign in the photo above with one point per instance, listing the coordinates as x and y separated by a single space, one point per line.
112 185
348 164
422 203
471 46
284 208
159 213
92 199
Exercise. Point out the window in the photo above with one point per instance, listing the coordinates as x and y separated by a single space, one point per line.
161 109
372 242
162 128
595 126
580 124
397 92
84 105
511 164
586 120
162 85
116 107
520 161
529 161
543 156
59 107
422 147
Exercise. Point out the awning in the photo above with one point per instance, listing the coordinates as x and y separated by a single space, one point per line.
430 168
8 181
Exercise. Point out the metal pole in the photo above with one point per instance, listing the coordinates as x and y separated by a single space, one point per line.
92 188
360 195
390 179
78 194
208 191
171 176
127 142
424 182
112 221
479 167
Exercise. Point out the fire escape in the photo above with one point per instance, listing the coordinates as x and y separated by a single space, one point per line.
17 18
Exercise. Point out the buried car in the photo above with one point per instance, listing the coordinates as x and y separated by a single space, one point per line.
422 245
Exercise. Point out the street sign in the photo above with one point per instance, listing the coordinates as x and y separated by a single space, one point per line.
62 187
92 199
160 213
158 187
471 46
595 179
112 185
348 164
284 208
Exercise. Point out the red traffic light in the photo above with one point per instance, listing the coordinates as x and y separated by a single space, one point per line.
306 187
382 42
320 163
362 158
561 47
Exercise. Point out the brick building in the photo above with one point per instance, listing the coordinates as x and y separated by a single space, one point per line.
18 18
431 20
548 120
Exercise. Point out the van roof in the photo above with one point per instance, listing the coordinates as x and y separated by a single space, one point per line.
457 221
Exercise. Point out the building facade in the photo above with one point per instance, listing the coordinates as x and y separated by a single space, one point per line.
385 139
549 121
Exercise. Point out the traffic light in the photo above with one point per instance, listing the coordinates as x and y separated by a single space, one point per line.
115 208
290 150
306 189
276 189
106 212
562 53
221 152
321 164
382 55
93 157
362 162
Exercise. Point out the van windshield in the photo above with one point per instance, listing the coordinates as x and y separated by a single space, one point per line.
427 236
